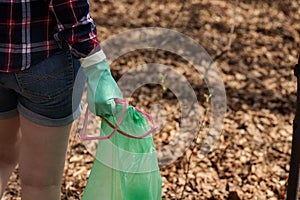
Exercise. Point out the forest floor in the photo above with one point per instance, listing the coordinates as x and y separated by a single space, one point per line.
255 45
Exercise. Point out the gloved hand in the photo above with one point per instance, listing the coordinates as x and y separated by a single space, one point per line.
102 88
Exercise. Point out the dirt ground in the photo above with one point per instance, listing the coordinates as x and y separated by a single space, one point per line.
250 159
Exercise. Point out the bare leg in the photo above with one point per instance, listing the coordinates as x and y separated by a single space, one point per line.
9 149
42 159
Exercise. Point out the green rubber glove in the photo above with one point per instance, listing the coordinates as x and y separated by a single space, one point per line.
102 88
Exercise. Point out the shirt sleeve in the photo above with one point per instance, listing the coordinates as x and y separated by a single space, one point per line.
76 29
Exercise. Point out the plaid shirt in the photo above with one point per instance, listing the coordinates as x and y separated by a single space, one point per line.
33 30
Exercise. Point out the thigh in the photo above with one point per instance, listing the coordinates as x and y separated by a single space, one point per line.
42 153
9 120
9 139
8 101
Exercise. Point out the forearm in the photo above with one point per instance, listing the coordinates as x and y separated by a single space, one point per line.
75 27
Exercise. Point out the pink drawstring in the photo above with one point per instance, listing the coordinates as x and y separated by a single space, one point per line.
83 135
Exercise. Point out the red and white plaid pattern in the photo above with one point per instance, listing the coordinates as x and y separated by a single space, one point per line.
32 30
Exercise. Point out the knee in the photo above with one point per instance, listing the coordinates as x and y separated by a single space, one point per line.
39 181
39 178
36 190
40 184
9 157
10 150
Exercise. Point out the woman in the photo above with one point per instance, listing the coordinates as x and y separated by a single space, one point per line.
40 44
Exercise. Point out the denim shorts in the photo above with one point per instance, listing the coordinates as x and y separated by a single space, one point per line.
48 93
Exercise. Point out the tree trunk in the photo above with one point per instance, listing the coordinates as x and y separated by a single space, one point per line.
293 181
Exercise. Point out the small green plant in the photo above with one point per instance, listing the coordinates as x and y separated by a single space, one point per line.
207 97
163 84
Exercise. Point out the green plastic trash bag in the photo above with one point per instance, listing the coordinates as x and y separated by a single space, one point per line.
125 166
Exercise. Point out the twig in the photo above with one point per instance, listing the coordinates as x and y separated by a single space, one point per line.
228 47
232 28
232 25
218 56
171 25
193 146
